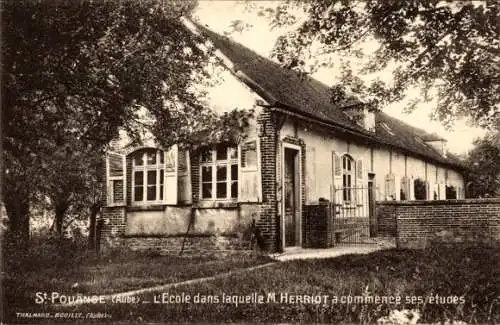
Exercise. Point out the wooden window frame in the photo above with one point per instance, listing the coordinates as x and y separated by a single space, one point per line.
348 172
145 168
213 164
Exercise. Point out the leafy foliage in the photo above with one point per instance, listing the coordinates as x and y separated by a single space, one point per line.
75 73
484 166
448 49
82 69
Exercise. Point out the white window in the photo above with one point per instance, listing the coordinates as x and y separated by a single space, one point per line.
219 173
148 176
348 179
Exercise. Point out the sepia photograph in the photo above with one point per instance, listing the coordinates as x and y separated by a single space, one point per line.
272 162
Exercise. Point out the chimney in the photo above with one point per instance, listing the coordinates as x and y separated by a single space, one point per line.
437 143
362 116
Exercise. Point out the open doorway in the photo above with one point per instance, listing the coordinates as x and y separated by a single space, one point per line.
291 197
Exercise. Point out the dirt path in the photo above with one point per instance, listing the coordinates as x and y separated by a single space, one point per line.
290 255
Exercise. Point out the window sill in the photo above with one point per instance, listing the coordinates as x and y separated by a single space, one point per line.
115 205
146 207
215 204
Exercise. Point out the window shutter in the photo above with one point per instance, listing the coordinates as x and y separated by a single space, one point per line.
403 195
359 190
432 188
249 183
412 189
171 175
386 186
184 176
390 187
337 178
442 191
428 192
435 191
397 188
116 179
408 188
311 180
359 169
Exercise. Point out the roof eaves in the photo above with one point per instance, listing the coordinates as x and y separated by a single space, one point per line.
287 109
256 87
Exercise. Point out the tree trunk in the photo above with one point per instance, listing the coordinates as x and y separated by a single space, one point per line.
17 207
94 210
61 209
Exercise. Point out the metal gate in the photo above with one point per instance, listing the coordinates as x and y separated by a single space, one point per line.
352 210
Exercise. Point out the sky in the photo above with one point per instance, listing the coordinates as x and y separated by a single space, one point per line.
218 15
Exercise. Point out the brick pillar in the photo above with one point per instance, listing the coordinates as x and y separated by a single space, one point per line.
269 220
113 227
318 226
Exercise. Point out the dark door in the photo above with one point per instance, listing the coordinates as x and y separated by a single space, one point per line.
291 193
371 205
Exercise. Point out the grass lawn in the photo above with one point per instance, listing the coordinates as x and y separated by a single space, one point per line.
90 274
467 278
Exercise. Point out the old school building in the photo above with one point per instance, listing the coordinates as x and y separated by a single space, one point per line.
300 149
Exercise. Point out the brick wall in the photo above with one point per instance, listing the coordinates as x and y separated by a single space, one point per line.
317 226
192 244
420 223
386 219
113 226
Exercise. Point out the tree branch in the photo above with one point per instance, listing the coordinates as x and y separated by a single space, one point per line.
492 50
350 44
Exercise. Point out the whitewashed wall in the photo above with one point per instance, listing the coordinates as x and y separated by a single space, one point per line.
379 161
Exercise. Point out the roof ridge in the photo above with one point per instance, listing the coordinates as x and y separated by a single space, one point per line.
270 60
426 136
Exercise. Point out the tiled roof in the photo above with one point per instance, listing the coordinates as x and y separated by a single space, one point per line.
285 88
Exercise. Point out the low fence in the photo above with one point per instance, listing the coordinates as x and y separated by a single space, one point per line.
416 224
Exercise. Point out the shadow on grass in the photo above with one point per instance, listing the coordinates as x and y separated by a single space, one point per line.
69 271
